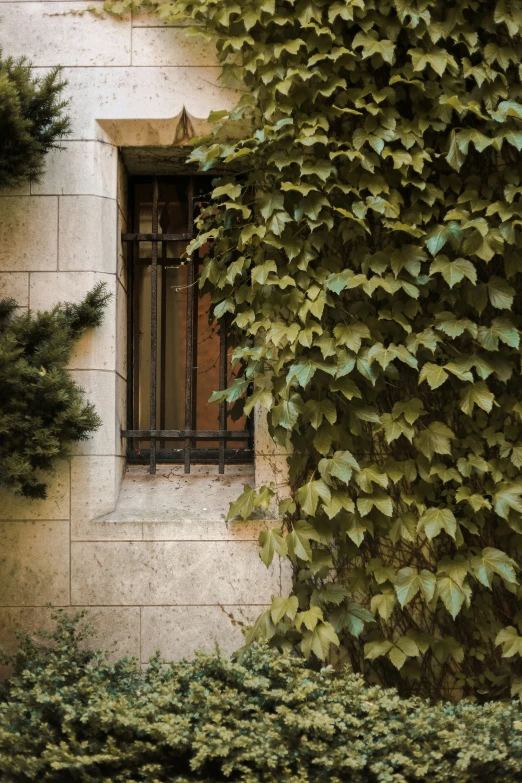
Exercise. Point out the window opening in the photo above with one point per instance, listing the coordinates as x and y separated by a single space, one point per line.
177 357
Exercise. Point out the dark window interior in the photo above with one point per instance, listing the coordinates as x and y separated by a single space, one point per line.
177 356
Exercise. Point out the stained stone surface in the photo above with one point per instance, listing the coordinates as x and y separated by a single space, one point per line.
152 556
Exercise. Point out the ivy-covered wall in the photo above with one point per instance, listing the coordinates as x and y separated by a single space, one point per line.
370 258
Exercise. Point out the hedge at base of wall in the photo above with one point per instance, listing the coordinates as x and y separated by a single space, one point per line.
69 715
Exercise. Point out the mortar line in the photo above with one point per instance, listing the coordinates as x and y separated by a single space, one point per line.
127 606
130 606
159 540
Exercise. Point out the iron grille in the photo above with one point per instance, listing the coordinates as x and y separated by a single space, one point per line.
163 251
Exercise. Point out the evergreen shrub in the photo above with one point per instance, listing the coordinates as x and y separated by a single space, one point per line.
42 409
32 120
69 715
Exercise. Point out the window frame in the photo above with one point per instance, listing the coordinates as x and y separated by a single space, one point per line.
188 454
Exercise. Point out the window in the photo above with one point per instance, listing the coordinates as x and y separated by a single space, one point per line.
177 357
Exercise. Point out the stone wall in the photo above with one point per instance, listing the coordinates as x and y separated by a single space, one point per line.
176 584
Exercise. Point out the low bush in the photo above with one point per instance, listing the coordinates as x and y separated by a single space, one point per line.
67 714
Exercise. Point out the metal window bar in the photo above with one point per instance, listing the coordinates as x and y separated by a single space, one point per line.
190 435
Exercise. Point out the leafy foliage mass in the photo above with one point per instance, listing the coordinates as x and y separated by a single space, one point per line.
32 120
69 715
41 407
370 260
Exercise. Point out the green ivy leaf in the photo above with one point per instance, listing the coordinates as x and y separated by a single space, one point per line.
308 495
510 640
409 582
319 640
341 466
454 271
435 439
282 607
271 543
383 603
433 374
434 520
493 561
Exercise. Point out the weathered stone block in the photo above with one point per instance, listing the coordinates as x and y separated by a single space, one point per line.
178 631
81 167
116 628
34 563
171 573
49 34
93 217
15 285
100 389
138 92
273 470
28 234
164 46
95 484
55 505
96 349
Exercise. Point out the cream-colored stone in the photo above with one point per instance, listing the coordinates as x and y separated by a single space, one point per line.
171 496
141 92
264 443
287 576
171 46
100 389
34 563
195 530
15 285
178 631
272 470
55 505
115 629
28 619
87 234
28 233
49 34
96 349
81 167
94 490
171 573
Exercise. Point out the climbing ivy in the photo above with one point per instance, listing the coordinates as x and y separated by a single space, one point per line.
369 257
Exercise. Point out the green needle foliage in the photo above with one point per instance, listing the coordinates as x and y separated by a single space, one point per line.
369 257
32 119
68 715
42 409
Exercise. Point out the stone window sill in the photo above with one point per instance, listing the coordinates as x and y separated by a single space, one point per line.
171 496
